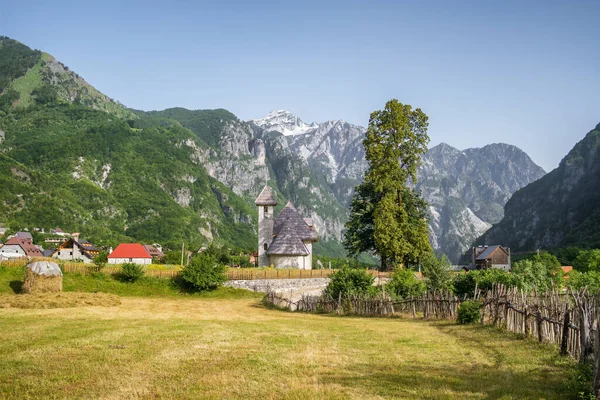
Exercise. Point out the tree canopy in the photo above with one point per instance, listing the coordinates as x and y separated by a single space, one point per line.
387 215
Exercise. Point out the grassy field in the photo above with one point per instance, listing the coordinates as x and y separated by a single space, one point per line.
189 346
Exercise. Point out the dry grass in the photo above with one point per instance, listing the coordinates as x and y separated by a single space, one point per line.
221 348
58 300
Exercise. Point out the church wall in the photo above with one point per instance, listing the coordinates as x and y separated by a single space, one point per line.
299 262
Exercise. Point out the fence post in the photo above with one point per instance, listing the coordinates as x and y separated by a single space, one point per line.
565 334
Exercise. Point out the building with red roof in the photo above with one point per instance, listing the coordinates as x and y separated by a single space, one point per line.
129 253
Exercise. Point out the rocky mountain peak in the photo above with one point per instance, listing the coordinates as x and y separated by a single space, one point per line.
284 122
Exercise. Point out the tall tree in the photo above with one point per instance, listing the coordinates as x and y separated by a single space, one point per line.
387 216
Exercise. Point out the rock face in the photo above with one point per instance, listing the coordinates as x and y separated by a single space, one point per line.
560 209
466 190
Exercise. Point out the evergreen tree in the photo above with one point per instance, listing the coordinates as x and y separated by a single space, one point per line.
387 216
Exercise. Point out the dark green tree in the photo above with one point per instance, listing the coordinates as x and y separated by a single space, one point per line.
387 216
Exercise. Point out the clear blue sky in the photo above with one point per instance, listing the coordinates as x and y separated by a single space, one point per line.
520 72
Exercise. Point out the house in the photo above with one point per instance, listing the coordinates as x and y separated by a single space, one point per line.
75 249
284 241
24 235
18 247
3 230
254 259
59 232
485 257
154 252
129 253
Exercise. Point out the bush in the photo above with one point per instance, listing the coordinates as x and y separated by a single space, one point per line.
132 272
437 273
468 312
404 283
348 281
204 272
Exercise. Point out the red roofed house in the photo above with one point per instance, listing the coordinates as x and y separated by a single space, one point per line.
130 253
19 247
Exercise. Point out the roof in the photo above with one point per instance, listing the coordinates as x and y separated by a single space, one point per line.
485 254
24 235
28 247
287 242
265 198
290 216
567 269
153 251
85 247
129 250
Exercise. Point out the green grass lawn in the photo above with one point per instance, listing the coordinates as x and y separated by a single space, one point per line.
185 346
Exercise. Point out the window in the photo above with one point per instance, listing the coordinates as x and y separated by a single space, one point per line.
265 247
131 259
70 253
266 209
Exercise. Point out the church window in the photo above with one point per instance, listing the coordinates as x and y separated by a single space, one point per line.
266 209
265 247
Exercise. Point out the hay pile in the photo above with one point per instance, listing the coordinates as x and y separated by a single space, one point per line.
59 300
42 277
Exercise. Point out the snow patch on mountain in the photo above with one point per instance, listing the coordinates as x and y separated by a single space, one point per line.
284 122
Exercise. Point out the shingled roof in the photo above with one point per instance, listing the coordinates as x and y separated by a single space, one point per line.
487 252
288 243
265 198
289 217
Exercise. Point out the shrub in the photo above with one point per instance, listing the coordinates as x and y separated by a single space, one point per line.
204 272
437 273
348 281
132 272
468 312
404 283
101 259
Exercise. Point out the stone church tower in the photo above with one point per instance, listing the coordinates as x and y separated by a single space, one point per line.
266 216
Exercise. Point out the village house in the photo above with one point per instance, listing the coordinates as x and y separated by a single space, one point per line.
59 232
75 249
18 247
486 257
24 235
284 241
129 253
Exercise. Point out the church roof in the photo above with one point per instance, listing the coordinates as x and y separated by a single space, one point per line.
289 216
288 243
290 231
265 198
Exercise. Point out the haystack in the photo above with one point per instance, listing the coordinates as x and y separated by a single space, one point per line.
42 277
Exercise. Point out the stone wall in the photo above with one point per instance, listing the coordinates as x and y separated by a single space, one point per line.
278 285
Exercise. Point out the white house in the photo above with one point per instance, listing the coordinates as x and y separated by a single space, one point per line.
129 253
284 241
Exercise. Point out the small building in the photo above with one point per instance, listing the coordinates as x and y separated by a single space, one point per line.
59 232
74 249
3 230
24 235
18 247
154 252
284 241
486 257
130 253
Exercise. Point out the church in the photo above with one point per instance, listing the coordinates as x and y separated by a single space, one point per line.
284 241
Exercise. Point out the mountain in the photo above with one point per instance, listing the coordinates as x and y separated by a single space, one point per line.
466 190
31 75
72 157
561 209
